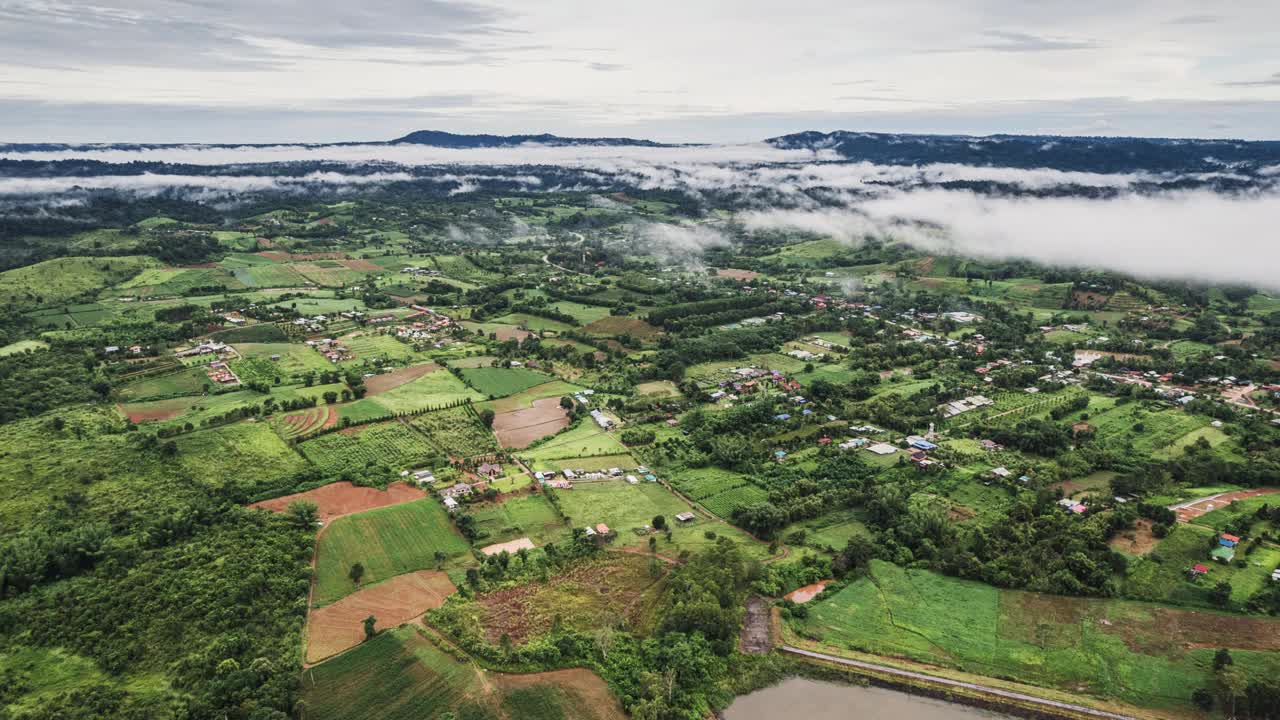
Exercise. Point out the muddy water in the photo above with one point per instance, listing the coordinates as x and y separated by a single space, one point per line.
802 699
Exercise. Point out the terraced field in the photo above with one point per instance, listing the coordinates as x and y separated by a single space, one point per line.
305 422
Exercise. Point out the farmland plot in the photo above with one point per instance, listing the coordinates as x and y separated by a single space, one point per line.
392 444
388 541
456 432
501 382
436 389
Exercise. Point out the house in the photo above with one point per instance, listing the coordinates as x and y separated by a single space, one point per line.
1001 472
589 532
633 480
989 444
490 470
780 455
883 449
455 491
450 504
602 529
568 474
923 444
1081 427
1228 540
615 472
604 422
824 441
686 517
424 476
1275 575
1223 554
1197 570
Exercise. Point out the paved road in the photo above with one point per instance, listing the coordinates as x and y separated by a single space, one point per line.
934 680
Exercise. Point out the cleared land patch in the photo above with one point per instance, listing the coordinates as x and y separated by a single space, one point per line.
388 381
343 498
334 628
518 428
388 541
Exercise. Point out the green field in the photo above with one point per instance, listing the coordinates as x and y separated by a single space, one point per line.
720 491
56 281
185 381
528 516
392 444
583 440
456 432
23 346
435 389
388 541
1105 648
625 507
399 675
501 382
295 359
212 456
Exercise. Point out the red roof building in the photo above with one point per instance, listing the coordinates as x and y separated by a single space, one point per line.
1232 538
602 529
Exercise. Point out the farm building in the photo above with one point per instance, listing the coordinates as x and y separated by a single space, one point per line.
1228 540
1197 570
1223 554
1001 472
490 469
687 516
601 420
602 529
883 449
455 491
450 504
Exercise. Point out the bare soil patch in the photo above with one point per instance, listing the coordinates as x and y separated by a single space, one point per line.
925 266
508 332
334 628
736 274
274 255
510 546
152 414
1175 631
590 595
757 638
362 265
330 419
387 381
1138 541
806 593
612 325
1088 298
518 428
343 498
1189 511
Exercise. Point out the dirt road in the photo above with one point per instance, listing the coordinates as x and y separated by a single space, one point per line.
1049 705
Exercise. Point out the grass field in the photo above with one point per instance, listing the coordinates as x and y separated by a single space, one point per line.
525 399
501 382
186 381
387 541
1148 427
295 359
833 529
1162 575
392 444
584 314
583 440
403 675
369 346
528 516
624 508
1106 648
56 281
435 389
23 346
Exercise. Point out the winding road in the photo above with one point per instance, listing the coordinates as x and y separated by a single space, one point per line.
945 682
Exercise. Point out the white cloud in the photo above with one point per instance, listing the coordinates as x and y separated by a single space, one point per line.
1187 235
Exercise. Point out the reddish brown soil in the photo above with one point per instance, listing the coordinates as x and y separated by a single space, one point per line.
1200 507
1175 631
361 265
382 383
331 419
511 546
518 428
151 414
343 498
735 274
1138 541
274 255
334 628
508 332
319 256
806 593
638 329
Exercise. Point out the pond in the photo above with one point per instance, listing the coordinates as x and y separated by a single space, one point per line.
803 699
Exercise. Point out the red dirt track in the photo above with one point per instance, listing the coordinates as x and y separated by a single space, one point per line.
1189 511
343 498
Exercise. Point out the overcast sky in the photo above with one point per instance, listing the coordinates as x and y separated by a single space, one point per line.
696 70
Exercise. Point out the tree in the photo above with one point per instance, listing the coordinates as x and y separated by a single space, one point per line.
357 572
370 627
486 417
304 513
659 522
566 402
440 558
330 397
1222 659
1203 699
1220 595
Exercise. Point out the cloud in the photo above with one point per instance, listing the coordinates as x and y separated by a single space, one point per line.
151 183
1196 235
679 244
1272 81
1009 41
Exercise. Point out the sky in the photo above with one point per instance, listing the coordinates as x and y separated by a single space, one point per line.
693 70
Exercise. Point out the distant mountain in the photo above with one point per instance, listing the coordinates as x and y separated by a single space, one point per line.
438 138
1086 154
